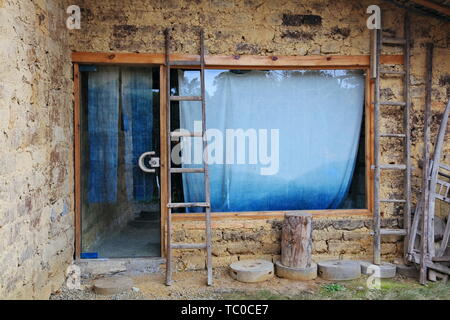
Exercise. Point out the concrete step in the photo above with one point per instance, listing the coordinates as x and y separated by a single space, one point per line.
98 267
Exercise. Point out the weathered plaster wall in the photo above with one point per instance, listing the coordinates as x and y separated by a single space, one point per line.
36 175
283 27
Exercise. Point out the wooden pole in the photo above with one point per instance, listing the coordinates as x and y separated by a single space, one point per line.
296 240
426 157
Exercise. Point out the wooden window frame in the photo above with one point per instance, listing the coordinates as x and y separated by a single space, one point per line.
361 62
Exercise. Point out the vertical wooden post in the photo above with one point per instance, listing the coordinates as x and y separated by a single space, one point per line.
407 150
163 155
425 182
376 207
77 157
296 240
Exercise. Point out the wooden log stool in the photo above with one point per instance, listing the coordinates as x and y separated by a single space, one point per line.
296 248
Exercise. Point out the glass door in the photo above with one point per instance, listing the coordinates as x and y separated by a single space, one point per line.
120 149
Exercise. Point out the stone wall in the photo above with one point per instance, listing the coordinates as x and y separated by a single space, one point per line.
283 27
343 237
36 157
36 166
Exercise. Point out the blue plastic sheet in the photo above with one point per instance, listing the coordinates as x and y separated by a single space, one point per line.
137 105
318 114
103 114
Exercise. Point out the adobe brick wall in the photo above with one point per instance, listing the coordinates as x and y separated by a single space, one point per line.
283 27
36 167
271 28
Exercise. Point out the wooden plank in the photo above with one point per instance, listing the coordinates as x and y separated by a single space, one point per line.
163 156
439 267
77 157
426 230
230 61
433 6
407 132
437 165
264 215
441 259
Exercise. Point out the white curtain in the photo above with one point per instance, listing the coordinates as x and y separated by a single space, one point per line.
318 114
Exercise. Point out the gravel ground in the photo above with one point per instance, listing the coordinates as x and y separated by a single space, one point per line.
188 285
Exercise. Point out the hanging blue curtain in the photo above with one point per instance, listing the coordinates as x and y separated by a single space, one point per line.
318 115
137 107
103 117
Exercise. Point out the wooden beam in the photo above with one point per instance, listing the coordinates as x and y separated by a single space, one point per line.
236 61
261 215
433 6
77 158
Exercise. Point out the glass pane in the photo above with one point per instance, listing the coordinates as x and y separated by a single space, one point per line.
279 139
120 202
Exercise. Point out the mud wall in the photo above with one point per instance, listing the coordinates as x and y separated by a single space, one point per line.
36 166
282 27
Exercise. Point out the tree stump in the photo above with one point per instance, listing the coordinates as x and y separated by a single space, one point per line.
296 240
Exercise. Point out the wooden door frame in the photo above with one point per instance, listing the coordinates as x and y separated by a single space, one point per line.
225 62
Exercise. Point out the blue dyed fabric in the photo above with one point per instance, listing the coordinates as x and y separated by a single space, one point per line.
318 114
137 106
103 115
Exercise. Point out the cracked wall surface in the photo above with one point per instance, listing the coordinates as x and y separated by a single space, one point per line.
36 167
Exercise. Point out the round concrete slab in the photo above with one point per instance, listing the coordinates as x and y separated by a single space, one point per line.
296 273
252 270
339 269
112 285
386 270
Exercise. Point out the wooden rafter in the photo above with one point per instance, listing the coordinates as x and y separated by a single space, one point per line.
433 6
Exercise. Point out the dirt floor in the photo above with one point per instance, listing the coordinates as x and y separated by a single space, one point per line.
191 285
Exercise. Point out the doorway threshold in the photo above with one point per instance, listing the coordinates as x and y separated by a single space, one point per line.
105 266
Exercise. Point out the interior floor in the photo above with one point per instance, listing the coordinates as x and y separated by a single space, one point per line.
139 238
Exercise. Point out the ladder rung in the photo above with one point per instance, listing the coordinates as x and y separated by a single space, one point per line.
395 41
185 98
393 166
187 170
188 246
185 63
393 135
399 232
393 103
393 200
178 134
392 72
188 205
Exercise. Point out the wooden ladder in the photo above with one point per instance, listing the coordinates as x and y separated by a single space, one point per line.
177 134
378 40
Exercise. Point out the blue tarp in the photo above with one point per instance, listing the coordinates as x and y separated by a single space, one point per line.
103 132
103 115
137 104
318 115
